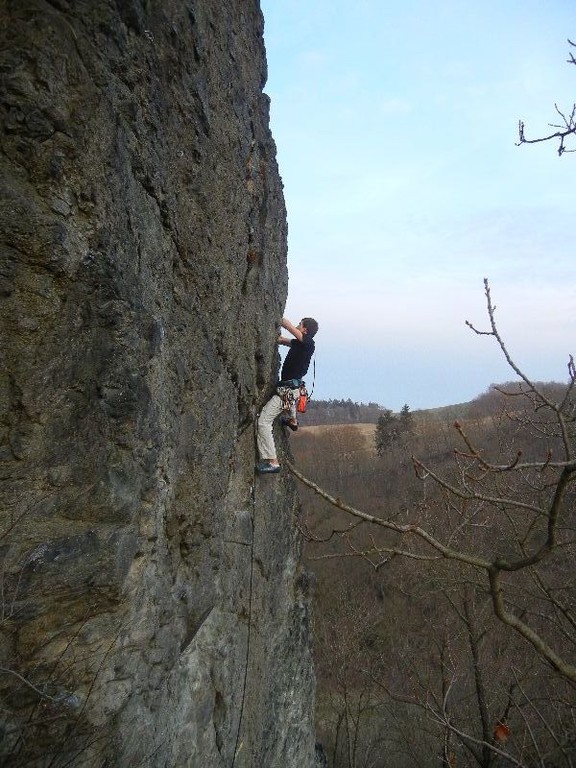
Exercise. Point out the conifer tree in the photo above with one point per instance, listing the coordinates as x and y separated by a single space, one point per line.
386 431
406 420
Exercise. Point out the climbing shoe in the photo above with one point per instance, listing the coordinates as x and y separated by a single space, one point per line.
289 424
264 467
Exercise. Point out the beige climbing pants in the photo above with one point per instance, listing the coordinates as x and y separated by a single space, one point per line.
284 401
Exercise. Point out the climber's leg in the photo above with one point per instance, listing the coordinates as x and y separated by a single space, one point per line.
265 438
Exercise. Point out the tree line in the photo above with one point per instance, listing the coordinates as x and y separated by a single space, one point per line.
341 412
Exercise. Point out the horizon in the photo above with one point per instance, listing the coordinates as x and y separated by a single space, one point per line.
494 385
397 145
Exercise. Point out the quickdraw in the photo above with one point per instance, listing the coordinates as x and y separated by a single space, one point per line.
288 397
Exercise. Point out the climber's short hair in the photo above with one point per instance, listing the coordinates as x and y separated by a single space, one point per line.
311 325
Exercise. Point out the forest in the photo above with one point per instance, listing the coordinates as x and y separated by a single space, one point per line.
445 595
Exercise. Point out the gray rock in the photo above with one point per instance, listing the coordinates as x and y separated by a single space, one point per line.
153 610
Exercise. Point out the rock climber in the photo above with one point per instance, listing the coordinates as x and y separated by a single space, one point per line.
293 371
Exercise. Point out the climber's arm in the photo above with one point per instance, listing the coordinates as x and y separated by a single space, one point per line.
293 329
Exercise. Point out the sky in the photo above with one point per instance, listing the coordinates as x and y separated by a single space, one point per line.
396 127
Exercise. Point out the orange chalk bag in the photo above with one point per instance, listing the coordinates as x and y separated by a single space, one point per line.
302 399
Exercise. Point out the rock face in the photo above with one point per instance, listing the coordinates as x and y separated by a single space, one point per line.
153 610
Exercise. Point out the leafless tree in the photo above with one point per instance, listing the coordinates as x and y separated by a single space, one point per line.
515 516
564 130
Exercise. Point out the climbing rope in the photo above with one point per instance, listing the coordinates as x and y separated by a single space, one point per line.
237 745
313 378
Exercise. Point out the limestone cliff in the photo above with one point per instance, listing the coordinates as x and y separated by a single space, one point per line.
153 611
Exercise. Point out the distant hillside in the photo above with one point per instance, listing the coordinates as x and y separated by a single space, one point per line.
342 411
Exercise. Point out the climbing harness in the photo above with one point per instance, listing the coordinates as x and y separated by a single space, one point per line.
293 393
287 394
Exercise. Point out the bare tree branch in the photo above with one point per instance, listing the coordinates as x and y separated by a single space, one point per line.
539 513
567 129
466 737
493 569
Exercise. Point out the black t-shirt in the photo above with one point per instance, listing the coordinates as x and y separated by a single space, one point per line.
298 358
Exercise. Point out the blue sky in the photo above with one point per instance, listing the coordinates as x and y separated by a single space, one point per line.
395 125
